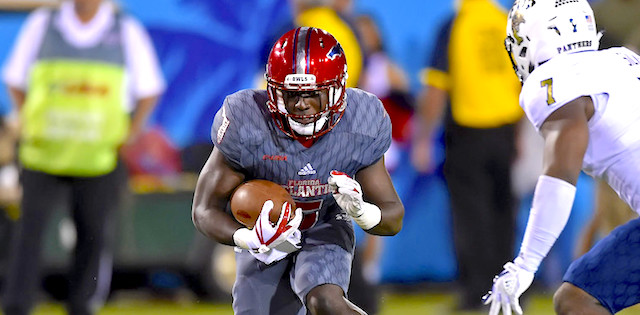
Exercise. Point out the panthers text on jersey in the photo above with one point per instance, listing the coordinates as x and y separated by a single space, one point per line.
611 78
245 133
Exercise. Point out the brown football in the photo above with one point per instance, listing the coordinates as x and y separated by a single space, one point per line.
248 198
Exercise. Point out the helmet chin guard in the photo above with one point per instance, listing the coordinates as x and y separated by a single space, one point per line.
538 30
308 129
307 59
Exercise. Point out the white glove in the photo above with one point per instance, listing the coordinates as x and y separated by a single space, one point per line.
290 245
348 195
507 288
265 236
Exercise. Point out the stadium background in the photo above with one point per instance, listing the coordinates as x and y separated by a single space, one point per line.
209 49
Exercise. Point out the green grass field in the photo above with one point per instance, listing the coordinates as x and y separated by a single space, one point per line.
392 304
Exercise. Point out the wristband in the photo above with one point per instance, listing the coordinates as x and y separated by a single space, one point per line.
240 236
370 217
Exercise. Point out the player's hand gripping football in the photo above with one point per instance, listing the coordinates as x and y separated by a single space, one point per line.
283 236
507 288
348 195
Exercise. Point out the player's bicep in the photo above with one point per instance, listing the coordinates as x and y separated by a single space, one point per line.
216 183
566 135
376 184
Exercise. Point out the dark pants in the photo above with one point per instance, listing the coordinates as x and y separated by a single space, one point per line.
92 202
478 173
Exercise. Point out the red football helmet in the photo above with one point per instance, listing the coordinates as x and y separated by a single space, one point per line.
307 59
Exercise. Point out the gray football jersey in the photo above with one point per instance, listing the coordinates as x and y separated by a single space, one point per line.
246 134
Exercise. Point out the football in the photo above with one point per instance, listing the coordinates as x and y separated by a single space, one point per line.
248 198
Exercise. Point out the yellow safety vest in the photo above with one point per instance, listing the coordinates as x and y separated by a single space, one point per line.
74 117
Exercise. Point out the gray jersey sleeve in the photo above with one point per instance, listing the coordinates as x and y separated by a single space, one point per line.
225 132
382 139
241 126
369 119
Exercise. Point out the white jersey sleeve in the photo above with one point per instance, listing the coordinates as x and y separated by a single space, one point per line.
554 84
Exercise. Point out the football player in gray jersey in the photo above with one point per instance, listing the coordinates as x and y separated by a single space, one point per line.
325 144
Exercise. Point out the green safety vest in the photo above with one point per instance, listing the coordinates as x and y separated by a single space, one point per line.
74 118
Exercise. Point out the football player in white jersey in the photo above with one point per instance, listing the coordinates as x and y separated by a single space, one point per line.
586 105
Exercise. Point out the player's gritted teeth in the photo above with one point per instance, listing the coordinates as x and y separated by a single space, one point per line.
307 120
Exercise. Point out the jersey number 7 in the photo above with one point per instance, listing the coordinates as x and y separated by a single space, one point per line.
549 84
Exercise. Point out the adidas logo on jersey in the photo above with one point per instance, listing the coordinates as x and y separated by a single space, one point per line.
307 170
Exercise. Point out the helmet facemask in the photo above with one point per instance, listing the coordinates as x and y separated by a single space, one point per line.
309 126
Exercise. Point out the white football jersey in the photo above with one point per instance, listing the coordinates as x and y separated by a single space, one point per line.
612 78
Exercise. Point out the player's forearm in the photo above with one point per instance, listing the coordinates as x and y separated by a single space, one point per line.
552 202
215 224
216 183
207 212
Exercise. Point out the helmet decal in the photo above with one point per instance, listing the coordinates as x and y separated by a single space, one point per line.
516 20
335 51
575 26
555 28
